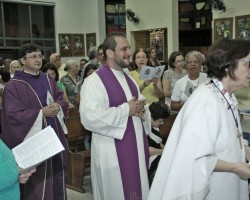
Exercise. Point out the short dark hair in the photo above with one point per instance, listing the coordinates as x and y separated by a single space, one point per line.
172 57
51 66
159 110
5 75
110 43
28 48
88 68
225 54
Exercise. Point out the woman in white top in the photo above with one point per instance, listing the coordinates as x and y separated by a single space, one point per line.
186 85
175 72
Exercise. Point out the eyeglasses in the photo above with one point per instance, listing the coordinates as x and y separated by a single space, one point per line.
34 57
246 61
193 62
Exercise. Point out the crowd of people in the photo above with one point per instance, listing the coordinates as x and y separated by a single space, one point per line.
204 156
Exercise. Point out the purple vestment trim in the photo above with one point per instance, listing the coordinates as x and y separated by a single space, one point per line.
126 148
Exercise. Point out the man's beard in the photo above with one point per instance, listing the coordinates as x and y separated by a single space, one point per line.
120 62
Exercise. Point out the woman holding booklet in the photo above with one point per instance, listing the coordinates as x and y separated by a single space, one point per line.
9 176
150 89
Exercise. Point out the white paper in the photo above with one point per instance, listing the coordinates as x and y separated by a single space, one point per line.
37 149
60 114
148 72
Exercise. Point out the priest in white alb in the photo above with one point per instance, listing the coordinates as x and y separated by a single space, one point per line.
113 109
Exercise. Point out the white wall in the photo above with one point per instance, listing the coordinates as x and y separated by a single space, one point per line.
155 14
80 16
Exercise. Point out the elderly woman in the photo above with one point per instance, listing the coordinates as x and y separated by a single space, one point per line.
185 86
70 80
15 65
150 89
175 72
205 144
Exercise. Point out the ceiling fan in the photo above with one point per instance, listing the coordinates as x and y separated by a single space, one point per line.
217 5
132 17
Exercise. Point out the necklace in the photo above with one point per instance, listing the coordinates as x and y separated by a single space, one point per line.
193 84
226 96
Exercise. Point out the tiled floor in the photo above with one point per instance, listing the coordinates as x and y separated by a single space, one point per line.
73 195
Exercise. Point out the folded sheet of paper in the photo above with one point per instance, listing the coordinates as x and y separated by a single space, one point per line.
37 149
148 72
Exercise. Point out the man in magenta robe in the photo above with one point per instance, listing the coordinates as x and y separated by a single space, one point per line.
25 110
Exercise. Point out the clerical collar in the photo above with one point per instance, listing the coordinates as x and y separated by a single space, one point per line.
32 73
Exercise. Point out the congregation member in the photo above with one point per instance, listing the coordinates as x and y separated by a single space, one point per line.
150 89
88 71
93 59
185 86
175 72
9 175
205 155
55 58
51 70
159 113
70 80
6 64
15 65
112 108
153 61
25 111
83 62
102 59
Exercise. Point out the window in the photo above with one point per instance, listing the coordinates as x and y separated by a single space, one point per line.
22 23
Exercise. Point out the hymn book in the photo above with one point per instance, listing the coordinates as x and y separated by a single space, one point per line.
148 72
37 149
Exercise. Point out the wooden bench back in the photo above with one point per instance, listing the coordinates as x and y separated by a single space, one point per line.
166 127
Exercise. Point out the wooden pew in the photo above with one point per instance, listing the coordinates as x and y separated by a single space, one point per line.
79 158
166 127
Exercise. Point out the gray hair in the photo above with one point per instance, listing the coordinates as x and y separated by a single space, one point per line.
92 53
69 64
197 54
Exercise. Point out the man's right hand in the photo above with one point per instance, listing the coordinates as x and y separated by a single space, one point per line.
51 110
136 107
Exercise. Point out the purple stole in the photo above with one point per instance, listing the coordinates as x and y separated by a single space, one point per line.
126 148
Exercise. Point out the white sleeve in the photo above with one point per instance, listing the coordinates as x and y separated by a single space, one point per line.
176 93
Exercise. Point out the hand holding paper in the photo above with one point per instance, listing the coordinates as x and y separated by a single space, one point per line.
148 72
37 149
